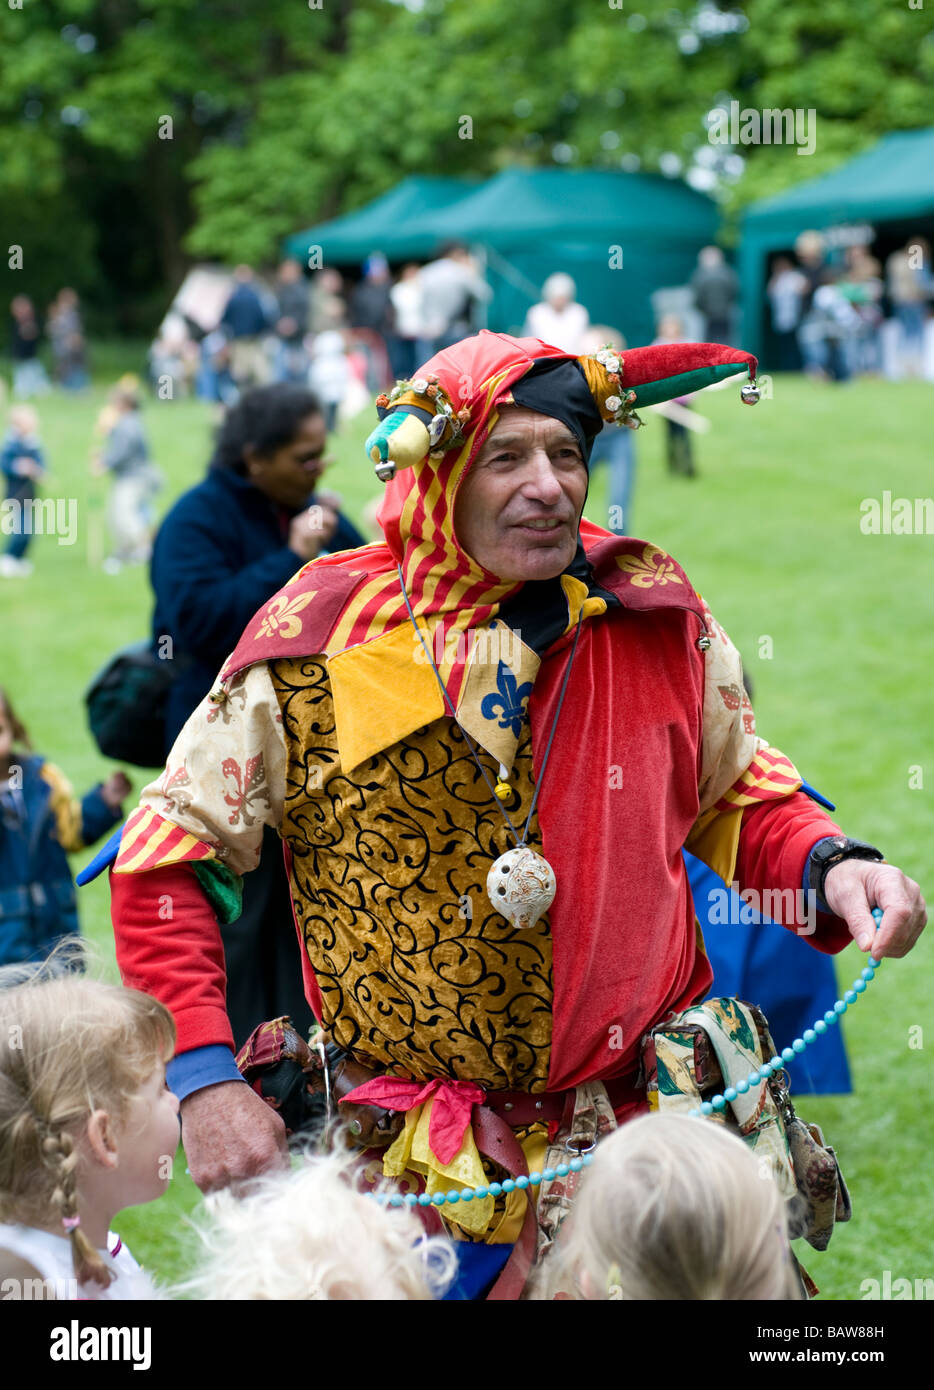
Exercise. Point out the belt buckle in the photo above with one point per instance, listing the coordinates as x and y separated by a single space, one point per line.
578 1147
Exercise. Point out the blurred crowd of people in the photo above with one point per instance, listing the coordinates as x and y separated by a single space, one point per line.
836 313
119 452
64 329
836 316
345 341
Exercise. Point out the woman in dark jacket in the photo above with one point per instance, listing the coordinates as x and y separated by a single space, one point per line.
222 551
232 541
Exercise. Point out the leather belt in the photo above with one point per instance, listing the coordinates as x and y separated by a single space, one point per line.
496 1140
524 1108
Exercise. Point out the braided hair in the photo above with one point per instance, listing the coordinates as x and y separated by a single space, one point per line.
60 1156
69 1045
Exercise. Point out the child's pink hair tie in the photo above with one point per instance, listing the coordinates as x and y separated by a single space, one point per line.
71 1223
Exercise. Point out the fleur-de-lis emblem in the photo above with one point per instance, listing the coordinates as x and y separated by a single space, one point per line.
221 703
281 617
511 699
749 718
173 786
731 695
652 567
251 783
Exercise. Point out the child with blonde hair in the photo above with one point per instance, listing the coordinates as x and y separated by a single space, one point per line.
87 1128
674 1207
312 1234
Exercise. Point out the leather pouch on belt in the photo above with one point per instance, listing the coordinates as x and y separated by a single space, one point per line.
304 1083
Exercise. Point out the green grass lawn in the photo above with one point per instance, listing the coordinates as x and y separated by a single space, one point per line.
769 532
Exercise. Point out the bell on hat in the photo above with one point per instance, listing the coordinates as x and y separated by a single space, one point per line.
619 382
627 381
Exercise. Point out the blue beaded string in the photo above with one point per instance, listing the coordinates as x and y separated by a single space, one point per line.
774 1064
467 1194
788 1054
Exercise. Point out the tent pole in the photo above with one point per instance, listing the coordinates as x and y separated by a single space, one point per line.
515 277
479 253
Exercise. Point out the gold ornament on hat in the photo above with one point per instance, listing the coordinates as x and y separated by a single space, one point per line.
408 442
604 371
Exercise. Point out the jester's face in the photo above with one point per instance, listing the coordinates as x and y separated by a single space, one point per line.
518 506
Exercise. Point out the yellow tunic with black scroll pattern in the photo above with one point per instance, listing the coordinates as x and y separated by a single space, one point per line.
417 973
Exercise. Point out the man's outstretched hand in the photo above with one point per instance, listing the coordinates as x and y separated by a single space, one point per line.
855 886
230 1135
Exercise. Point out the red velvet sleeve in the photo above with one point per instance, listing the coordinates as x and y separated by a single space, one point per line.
169 945
775 840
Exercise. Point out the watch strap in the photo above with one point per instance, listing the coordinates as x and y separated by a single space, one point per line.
832 851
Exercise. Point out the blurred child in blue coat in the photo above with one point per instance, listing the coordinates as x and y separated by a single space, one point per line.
41 819
22 463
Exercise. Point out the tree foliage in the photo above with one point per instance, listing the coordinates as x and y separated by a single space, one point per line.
284 114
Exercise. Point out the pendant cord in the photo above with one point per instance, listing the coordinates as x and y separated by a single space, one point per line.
554 727
447 699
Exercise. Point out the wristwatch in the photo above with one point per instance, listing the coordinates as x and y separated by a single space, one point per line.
833 850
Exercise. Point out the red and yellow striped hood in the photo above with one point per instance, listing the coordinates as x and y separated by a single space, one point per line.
350 606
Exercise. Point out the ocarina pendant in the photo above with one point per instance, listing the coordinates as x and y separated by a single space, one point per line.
521 885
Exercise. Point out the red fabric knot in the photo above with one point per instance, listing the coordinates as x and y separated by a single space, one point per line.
450 1114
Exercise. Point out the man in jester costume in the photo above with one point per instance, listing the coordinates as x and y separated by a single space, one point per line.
485 741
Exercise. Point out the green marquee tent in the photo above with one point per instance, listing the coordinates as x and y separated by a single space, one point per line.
392 224
890 186
621 236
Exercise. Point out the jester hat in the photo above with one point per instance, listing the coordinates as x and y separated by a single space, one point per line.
431 430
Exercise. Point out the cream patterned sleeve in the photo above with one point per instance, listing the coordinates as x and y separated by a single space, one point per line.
224 780
738 769
729 741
